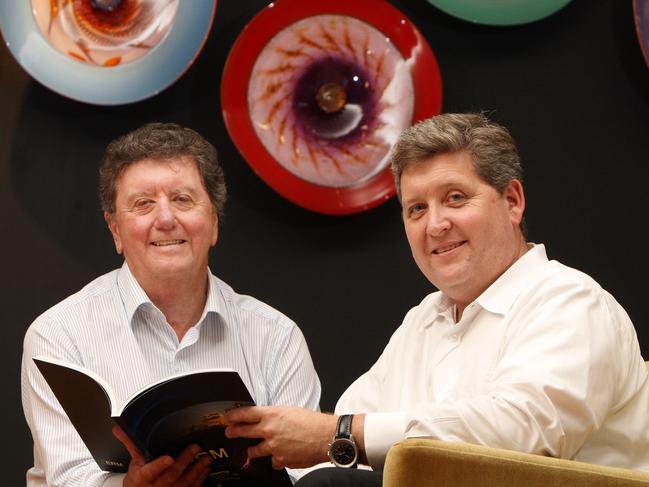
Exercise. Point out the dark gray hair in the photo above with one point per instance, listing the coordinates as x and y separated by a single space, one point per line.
161 141
492 148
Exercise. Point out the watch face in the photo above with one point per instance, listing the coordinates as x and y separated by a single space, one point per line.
343 452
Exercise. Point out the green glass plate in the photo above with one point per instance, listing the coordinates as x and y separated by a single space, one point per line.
500 12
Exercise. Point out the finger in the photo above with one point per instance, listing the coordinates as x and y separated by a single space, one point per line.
201 479
244 431
250 414
181 463
134 451
259 450
277 465
196 473
187 456
150 472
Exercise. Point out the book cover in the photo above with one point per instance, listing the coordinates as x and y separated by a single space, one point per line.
163 418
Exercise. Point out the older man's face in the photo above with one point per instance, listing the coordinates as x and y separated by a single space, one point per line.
463 233
164 222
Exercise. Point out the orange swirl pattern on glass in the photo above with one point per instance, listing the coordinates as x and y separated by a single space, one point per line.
328 97
104 32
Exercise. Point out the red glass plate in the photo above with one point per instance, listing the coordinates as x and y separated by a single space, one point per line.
314 95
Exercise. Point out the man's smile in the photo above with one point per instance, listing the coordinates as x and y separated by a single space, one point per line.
448 247
164 243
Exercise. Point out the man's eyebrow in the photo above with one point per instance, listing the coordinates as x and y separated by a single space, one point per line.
183 189
442 188
408 201
139 194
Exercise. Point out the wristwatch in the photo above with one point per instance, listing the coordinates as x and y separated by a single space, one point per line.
343 451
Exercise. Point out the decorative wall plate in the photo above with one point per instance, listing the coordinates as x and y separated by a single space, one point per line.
500 12
106 52
641 15
314 95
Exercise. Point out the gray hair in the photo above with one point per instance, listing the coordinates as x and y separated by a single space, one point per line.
161 141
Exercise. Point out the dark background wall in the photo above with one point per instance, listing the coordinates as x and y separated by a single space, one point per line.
573 88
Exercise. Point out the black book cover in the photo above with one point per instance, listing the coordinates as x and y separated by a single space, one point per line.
162 418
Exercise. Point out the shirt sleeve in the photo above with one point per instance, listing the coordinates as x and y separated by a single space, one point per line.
382 429
61 459
290 375
566 360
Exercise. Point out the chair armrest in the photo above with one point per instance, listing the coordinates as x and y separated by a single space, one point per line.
424 462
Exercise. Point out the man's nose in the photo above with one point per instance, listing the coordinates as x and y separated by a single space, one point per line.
165 217
437 223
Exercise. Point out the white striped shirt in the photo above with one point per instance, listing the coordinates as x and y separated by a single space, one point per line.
112 328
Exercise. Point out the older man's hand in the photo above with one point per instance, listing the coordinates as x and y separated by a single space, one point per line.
164 471
294 437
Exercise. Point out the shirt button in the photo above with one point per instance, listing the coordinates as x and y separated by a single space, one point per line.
455 337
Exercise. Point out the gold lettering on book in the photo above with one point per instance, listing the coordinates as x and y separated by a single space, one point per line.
214 419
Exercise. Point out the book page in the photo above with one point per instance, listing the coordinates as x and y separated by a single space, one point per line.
86 399
175 377
60 371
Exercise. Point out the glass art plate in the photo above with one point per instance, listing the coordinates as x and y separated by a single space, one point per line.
500 12
106 52
641 16
314 95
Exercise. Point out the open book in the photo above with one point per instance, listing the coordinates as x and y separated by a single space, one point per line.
161 419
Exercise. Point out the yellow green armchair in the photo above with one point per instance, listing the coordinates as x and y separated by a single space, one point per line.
420 462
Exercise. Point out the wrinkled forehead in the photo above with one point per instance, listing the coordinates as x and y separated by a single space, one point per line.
161 160
150 171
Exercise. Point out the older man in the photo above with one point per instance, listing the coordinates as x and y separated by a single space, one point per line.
514 351
162 192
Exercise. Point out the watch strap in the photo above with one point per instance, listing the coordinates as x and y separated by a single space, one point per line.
344 426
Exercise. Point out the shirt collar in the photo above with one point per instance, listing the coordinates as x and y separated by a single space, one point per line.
500 296
443 310
443 303
215 302
134 297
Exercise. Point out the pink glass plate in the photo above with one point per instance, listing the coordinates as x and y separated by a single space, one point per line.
315 95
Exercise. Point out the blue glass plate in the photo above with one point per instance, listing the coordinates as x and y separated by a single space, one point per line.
124 83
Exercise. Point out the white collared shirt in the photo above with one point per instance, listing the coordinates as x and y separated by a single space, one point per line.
112 328
544 361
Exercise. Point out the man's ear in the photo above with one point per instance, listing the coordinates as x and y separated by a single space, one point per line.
215 230
515 197
114 230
